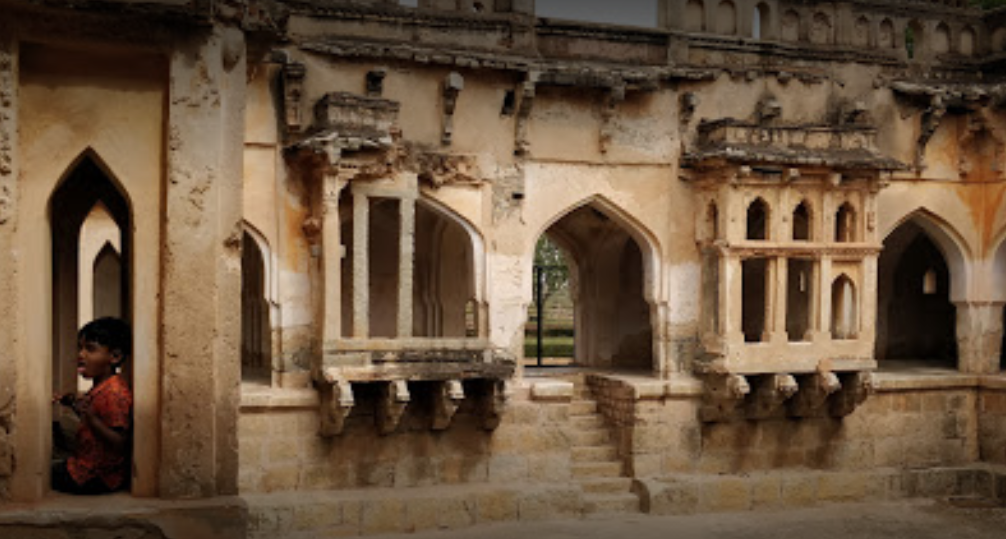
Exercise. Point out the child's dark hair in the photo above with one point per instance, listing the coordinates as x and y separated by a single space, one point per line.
108 331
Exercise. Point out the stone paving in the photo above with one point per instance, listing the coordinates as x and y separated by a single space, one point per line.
915 519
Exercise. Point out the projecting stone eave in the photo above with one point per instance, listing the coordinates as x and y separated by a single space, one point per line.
860 161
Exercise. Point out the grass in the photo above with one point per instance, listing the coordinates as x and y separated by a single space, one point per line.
552 346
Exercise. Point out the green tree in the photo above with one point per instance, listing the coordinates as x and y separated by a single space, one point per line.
548 255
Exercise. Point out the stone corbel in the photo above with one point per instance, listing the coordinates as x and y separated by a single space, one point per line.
522 120
856 387
491 403
336 403
447 397
293 91
615 96
768 399
723 397
689 103
453 85
814 391
394 397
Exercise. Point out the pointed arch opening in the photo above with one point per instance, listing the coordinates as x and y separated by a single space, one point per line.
845 224
610 287
90 220
758 220
844 309
802 222
256 323
916 321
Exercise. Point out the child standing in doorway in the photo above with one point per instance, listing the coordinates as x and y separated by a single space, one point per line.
100 460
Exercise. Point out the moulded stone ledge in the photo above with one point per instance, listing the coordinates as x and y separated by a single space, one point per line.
552 390
891 381
268 397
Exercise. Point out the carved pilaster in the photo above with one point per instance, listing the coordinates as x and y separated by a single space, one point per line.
723 397
447 397
523 119
453 85
856 387
391 403
293 92
336 402
814 391
768 399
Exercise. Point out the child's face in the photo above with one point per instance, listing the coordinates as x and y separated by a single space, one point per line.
96 361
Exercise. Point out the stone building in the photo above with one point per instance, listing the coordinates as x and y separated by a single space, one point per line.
784 222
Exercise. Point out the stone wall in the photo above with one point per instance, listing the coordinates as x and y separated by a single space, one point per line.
992 421
281 449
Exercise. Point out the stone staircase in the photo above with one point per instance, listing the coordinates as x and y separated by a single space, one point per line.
595 463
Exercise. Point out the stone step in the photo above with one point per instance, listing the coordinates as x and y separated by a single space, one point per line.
582 407
588 437
585 470
598 453
586 421
606 485
611 503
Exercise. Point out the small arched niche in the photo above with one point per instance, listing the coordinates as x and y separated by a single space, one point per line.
844 314
802 222
885 35
861 32
695 16
820 29
791 26
966 45
941 39
845 224
761 27
726 18
758 220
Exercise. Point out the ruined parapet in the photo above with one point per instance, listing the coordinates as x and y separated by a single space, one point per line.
790 287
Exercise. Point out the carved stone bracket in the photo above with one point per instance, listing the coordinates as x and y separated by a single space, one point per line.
856 387
453 85
447 397
814 391
724 396
522 120
491 403
768 399
293 92
394 397
615 96
336 403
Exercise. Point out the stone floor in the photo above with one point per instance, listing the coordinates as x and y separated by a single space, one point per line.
915 519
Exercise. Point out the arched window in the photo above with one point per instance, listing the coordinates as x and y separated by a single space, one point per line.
844 324
941 39
758 220
726 18
820 29
791 26
885 38
801 222
845 224
695 16
967 42
914 39
760 22
861 32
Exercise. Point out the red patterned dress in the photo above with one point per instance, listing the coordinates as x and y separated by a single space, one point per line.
112 403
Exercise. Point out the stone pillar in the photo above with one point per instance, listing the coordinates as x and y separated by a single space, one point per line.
979 337
332 259
777 299
201 265
731 299
406 261
10 398
361 265
824 295
868 291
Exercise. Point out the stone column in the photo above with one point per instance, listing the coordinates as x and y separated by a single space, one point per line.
201 265
824 298
868 291
25 482
361 265
331 239
979 337
777 299
406 261
731 299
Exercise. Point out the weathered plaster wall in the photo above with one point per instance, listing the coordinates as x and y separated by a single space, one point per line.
9 171
112 105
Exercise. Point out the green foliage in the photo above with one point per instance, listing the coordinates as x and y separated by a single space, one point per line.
548 255
988 4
